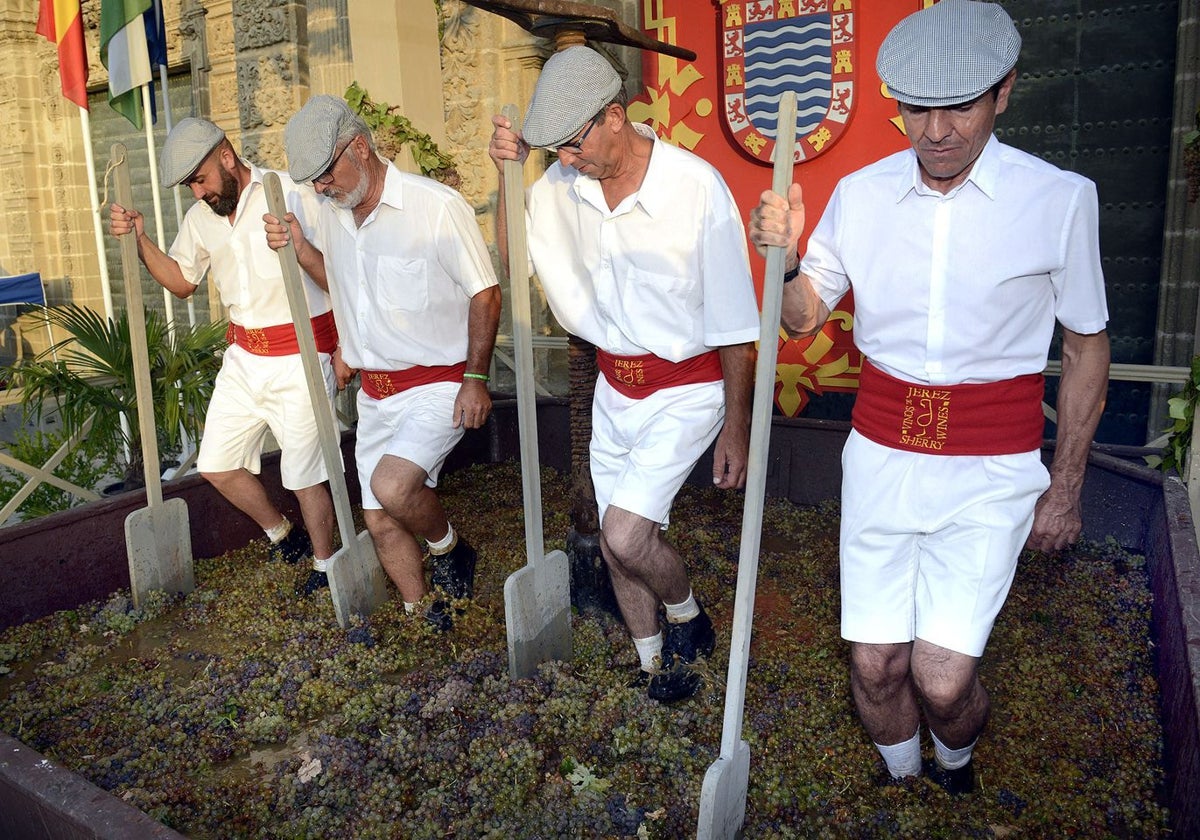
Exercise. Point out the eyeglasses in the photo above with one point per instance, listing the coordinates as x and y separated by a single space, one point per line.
576 146
326 177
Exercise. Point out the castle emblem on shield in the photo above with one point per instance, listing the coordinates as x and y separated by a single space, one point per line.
772 46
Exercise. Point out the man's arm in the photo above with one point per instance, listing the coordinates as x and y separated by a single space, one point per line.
279 233
777 221
162 268
506 144
1057 520
732 451
474 402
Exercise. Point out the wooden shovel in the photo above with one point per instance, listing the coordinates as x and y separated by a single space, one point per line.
723 795
157 537
357 582
537 597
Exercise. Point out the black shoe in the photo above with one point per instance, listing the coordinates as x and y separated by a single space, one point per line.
955 782
685 643
640 679
293 548
439 616
454 571
316 581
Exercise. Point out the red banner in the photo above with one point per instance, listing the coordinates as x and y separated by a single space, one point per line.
59 21
722 107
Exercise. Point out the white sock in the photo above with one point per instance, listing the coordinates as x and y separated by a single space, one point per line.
903 759
649 651
320 565
279 531
951 759
409 608
685 611
445 543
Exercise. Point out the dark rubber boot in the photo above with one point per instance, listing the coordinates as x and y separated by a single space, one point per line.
454 571
685 643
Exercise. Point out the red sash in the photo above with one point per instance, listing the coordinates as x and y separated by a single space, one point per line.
280 340
993 418
381 384
640 376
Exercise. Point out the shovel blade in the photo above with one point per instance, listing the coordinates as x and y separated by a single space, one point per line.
159 543
357 582
537 611
723 796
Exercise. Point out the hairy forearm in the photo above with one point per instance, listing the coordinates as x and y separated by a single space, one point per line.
163 269
802 312
737 369
1081 395
483 318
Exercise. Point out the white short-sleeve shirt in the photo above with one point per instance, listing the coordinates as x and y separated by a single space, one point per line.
664 272
963 287
402 282
241 265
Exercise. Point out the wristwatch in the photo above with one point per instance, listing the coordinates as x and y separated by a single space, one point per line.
791 274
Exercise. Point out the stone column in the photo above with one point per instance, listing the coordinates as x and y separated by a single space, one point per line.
1178 310
271 46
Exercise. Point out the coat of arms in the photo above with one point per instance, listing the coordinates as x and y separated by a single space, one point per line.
770 46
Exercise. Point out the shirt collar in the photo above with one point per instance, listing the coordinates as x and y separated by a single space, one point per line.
655 190
392 196
393 187
984 174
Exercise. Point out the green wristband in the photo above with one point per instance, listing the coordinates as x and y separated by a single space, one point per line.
483 377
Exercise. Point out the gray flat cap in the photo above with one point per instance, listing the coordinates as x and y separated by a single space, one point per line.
311 135
574 85
947 54
187 145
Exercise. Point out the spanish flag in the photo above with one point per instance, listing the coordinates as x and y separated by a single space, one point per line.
59 22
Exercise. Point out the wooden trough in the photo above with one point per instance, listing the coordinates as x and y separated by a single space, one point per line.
62 561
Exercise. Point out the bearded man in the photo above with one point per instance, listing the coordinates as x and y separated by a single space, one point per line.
261 386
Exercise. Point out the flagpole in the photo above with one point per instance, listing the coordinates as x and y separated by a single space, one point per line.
97 225
166 98
147 110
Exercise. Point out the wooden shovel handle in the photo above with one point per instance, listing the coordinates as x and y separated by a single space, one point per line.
136 313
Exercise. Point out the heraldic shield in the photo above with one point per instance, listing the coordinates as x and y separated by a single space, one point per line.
771 46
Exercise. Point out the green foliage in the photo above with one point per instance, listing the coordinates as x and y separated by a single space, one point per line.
82 467
393 131
91 374
1182 411
1193 136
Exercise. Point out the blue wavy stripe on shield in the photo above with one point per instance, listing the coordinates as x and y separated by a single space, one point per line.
793 54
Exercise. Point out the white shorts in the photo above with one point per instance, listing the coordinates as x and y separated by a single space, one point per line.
416 425
256 393
929 543
643 450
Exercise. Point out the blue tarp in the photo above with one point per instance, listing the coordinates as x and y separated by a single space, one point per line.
21 288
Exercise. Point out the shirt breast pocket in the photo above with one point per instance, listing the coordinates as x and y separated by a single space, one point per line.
663 304
402 283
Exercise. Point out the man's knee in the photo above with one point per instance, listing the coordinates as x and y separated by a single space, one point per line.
626 541
220 480
879 670
945 684
395 496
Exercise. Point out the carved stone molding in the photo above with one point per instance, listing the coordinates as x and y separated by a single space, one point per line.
271 47
193 31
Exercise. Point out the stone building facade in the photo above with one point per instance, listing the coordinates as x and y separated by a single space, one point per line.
248 66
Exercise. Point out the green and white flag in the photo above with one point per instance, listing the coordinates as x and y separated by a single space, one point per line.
124 52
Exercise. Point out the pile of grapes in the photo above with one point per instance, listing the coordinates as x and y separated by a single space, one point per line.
244 711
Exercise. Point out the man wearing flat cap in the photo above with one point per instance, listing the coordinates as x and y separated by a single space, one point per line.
261 385
417 305
640 250
962 253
